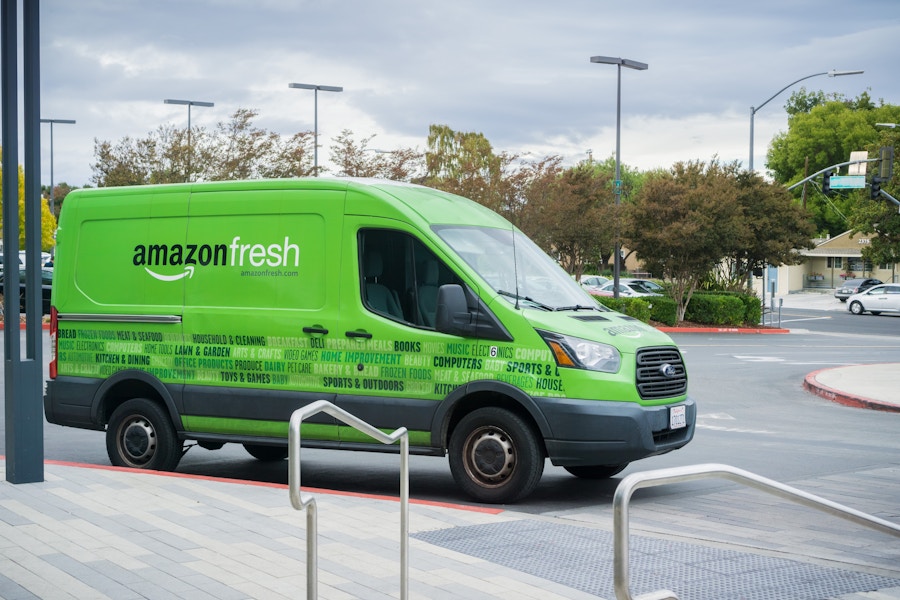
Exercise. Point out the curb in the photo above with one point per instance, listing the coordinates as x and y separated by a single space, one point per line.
752 330
810 384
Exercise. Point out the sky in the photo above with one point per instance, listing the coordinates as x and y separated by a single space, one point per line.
517 71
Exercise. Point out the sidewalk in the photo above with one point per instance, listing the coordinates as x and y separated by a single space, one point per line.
88 532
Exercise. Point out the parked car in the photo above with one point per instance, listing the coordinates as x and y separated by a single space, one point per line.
626 290
46 288
650 286
592 283
854 286
876 300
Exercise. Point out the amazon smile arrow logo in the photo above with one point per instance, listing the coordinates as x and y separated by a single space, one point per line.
188 272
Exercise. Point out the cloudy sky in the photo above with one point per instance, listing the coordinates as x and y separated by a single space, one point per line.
517 71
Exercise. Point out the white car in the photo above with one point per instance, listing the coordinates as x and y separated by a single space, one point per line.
651 286
626 290
876 300
592 283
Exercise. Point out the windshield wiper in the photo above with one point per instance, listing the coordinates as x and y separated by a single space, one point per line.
576 307
527 299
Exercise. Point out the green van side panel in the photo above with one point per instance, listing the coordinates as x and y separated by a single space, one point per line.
260 285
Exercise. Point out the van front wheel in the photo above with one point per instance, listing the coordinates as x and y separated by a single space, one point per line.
495 456
141 436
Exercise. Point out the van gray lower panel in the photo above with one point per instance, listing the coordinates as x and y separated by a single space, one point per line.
67 401
593 432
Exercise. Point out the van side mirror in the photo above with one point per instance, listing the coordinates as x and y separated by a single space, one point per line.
453 314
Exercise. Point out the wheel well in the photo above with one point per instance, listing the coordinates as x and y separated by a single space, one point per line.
484 399
126 390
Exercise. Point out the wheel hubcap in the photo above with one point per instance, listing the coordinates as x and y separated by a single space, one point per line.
491 456
138 440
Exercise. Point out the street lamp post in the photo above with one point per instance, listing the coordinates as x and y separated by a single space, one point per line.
52 122
754 109
316 88
189 104
638 66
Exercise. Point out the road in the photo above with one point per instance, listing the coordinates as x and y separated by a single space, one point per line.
753 414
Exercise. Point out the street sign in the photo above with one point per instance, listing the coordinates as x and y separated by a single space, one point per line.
845 182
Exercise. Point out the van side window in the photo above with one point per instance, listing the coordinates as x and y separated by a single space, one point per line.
400 276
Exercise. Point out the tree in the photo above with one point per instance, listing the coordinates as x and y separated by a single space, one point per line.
464 164
236 149
773 229
684 222
822 131
48 221
356 159
576 217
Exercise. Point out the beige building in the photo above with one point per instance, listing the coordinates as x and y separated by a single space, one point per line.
826 266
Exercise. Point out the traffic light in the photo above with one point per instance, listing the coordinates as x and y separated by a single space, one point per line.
826 182
886 166
875 188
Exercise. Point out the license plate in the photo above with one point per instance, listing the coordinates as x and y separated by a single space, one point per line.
677 417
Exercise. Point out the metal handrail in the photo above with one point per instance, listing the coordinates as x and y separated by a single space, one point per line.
658 477
301 500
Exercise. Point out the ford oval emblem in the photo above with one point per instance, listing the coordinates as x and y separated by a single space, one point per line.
668 370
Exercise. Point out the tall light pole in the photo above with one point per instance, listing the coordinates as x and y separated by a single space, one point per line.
52 122
316 88
638 66
754 109
189 104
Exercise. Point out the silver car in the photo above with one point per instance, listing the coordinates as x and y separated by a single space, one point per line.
876 300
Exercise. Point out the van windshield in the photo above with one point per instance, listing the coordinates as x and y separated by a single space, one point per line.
525 277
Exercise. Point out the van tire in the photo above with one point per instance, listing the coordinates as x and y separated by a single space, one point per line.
267 453
495 456
596 471
141 436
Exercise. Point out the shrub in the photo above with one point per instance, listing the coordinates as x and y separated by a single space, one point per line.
715 309
639 308
664 310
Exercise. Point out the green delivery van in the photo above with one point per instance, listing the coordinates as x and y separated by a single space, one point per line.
205 314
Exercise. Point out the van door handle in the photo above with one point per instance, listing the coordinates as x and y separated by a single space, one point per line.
359 334
315 329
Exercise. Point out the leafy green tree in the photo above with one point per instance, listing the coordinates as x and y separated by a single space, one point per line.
576 219
632 181
464 163
823 131
773 229
684 222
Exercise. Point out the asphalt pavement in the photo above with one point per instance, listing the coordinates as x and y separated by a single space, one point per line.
104 532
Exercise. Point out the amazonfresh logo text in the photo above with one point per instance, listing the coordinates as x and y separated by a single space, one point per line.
235 254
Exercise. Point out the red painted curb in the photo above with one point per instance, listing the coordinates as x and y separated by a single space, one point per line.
754 330
810 384
465 507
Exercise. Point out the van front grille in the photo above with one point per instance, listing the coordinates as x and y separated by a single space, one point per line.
660 373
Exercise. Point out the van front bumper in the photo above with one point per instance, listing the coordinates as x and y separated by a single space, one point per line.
611 433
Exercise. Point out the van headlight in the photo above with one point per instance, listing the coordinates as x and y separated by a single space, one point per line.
579 353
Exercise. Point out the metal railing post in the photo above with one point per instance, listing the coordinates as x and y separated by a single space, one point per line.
300 500
659 477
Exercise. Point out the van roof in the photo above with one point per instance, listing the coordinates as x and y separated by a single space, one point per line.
434 206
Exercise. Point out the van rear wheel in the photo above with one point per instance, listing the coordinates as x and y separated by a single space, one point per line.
495 456
596 471
266 453
140 435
